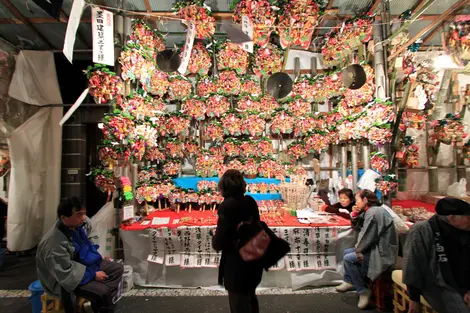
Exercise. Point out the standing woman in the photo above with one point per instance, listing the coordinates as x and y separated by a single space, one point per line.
376 248
240 278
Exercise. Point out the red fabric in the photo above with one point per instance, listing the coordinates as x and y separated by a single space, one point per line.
407 204
207 218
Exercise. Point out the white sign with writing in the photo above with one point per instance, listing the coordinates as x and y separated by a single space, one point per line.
247 28
157 248
128 212
103 36
188 47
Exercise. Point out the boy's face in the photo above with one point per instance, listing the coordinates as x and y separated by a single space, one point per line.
77 218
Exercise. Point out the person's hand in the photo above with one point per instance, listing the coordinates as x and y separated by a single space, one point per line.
101 276
355 209
466 298
415 307
360 257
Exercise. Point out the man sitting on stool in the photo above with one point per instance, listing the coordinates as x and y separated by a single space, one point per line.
68 262
437 259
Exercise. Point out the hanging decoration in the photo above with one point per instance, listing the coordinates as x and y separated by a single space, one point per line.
450 130
200 62
379 162
457 40
104 179
197 12
261 14
147 37
387 184
408 154
297 22
232 57
268 61
104 85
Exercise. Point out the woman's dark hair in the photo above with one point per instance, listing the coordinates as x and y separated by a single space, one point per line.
232 183
347 192
372 199
68 206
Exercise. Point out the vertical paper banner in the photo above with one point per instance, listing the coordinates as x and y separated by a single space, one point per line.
157 251
74 107
306 258
172 256
247 28
103 36
72 26
187 258
188 47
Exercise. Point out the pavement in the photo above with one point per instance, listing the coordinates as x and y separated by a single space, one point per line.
19 272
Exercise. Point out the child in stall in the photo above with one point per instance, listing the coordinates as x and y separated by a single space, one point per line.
345 205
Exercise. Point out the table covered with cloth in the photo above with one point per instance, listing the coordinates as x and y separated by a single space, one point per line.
170 249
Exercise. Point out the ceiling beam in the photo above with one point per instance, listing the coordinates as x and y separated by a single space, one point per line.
17 14
430 27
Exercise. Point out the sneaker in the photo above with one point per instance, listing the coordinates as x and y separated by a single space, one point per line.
344 287
87 307
364 299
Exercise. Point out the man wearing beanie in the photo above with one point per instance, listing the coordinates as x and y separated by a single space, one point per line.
437 259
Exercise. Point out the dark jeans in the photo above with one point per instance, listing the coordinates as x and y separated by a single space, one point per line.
100 294
355 272
243 303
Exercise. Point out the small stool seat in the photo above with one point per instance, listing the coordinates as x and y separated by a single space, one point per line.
52 304
401 300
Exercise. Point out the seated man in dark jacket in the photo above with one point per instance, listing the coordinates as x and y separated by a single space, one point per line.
68 262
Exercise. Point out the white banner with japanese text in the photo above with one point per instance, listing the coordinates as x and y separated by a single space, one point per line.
103 36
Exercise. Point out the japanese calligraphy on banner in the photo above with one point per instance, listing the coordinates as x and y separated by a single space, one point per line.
247 28
311 248
197 247
188 47
103 36
157 251
172 247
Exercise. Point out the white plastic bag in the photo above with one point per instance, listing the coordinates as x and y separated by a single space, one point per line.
458 190
367 180
103 224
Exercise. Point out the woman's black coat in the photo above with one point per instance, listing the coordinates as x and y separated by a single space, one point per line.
235 274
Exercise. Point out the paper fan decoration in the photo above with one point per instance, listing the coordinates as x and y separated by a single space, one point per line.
206 86
158 84
180 87
229 83
195 108
217 105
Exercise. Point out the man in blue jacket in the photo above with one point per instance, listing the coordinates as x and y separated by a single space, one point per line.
69 263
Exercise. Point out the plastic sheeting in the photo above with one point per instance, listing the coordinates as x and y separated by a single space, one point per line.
149 274
34 194
35 79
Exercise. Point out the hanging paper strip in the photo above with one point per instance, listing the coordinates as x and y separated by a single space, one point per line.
188 47
103 36
72 26
281 263
247 28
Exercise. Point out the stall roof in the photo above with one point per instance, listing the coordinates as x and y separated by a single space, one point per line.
26 26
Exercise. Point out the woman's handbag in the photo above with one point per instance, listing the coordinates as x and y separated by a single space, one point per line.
258 242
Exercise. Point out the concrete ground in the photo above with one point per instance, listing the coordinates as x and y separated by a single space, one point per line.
20 271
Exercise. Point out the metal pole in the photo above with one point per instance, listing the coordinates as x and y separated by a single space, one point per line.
344 163
354 166
380 92
366 156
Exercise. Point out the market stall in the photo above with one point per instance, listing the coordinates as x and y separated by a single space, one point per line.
181 117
